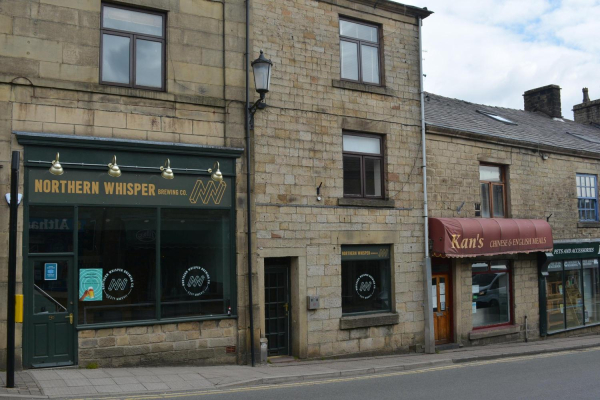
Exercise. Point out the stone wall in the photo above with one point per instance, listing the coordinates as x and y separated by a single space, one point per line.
586 113
298 145
197 343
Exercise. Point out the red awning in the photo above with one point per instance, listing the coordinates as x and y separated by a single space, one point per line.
469 237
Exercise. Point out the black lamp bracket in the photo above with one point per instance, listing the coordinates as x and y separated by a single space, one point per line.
260 104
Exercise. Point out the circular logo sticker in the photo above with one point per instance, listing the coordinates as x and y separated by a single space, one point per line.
195 281
117 284
365 286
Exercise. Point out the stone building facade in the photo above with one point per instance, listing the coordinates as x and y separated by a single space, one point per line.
541 156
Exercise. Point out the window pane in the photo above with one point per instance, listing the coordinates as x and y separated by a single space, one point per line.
480 267
499 265
121 243
573 295
555 298
358 31
498 200
50 296
372 177
50 229
352 176
148 63
492 299
365 286
485 200
370 64
194 248
489 173
591 288
133 21
362 144
115 59
349 56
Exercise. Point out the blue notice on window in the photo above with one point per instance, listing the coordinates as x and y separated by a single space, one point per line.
50 271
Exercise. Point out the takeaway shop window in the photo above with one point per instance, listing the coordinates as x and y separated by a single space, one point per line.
365 279
572 294
492 180
194 248
50 229
587 197
132 48
491 283
117 264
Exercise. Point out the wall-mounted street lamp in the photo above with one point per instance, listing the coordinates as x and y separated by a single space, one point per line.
261 67
166 171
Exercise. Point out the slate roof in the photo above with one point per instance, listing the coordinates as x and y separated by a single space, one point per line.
531 128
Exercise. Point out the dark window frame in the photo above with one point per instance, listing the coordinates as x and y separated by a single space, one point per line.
508 270
133 37
359 43
595 198
503 183
363 157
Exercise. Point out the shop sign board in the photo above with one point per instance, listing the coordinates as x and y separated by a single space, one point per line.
569 251
367 252
92 187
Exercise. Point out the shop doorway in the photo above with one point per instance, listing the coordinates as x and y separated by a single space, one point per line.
51 333
441 285
277 306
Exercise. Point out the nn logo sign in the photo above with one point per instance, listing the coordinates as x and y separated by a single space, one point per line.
208 191
195 281
117 284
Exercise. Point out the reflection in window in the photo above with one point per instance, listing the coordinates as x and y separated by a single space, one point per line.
122 243
50 229
363 165
492 183
491 294
50 295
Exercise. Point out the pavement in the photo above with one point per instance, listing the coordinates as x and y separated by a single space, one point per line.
67 382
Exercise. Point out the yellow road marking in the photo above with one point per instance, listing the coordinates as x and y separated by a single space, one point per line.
337 380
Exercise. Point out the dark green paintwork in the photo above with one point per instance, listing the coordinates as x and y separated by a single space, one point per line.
570 251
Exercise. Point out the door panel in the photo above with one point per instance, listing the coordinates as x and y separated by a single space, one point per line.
442 307
277 308
50 317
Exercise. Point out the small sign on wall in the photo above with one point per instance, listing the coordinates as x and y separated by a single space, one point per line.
50 271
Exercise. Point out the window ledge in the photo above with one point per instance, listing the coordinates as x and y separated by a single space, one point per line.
588 224
346 201
364 321
361 87
492 332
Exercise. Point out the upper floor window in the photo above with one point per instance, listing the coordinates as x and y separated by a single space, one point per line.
493 192
359 52
132 48
587 197
363 165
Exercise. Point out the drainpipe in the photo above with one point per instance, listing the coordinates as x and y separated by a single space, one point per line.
428 312
12 270
248 191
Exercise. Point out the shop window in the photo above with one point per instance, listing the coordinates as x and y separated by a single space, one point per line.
491 287
492 180
366 285
50 229
132 48
587 197
194 246
360 52
572 294
118 244
363 165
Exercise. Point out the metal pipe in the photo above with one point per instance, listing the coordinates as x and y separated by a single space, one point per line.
429 328
12 270
526 330
248 181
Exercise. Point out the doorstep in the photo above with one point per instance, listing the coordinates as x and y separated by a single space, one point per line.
493 332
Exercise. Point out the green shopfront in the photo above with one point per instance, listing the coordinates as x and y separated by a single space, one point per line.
123 267
570 288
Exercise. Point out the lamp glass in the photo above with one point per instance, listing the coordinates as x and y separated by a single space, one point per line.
261 68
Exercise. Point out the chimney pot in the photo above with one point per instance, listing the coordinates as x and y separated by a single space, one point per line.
586 95
545 99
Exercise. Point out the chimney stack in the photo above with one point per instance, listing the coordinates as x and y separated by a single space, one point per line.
587 112
545 99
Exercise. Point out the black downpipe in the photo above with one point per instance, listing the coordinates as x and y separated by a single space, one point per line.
12 270
248 191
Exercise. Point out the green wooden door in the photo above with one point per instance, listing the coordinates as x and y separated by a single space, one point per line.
51 330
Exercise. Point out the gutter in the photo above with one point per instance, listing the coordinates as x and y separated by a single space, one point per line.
248 182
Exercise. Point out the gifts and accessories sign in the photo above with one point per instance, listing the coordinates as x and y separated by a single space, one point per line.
98 188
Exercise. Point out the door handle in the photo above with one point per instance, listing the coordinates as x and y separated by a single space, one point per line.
70 316
286 306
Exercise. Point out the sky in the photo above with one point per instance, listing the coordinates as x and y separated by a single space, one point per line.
492 51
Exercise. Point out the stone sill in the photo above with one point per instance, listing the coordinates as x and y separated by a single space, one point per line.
361 87
346 201
365 321
595 224
492 332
